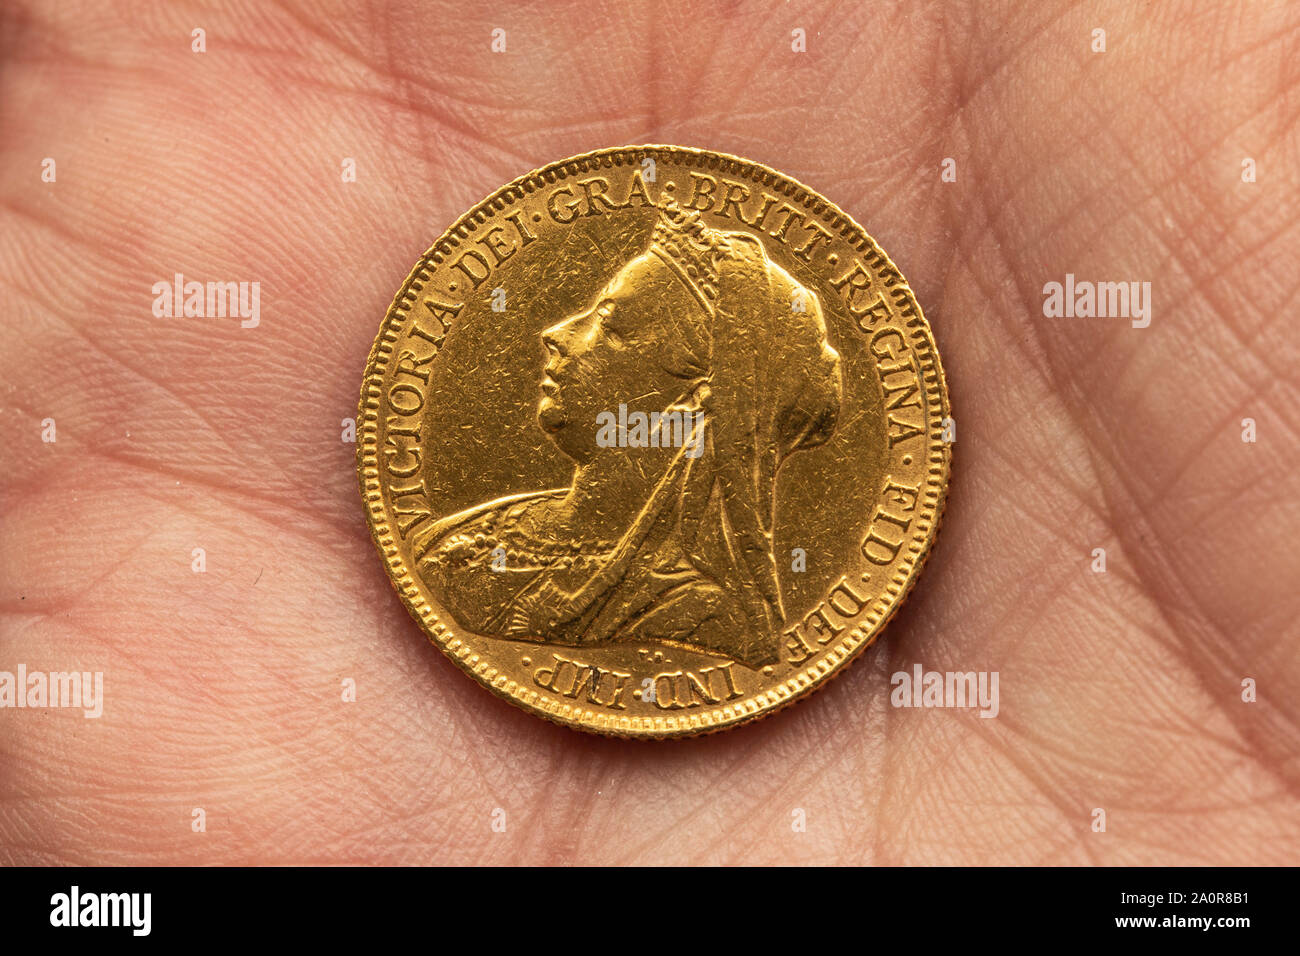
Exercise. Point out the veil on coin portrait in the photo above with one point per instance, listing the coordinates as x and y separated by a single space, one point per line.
651 545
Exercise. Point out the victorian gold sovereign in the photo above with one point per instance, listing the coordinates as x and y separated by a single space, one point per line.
654 441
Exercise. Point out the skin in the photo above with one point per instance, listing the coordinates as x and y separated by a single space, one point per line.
1120 691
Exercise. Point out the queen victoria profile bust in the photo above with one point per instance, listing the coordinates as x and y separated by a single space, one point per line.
670 542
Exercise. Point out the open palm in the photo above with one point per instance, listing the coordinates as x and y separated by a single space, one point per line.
1121 691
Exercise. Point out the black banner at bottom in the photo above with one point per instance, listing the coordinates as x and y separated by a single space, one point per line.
651 907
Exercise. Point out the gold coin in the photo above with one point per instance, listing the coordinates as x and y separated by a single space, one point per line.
654 441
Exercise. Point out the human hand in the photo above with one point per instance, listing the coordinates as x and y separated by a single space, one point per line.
1119 690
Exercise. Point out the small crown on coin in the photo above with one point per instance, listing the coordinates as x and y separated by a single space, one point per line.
695 248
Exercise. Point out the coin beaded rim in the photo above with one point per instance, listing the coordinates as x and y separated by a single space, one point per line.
839 654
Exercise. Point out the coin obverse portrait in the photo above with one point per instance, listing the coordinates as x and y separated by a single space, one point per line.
670 541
